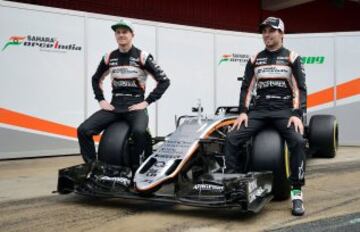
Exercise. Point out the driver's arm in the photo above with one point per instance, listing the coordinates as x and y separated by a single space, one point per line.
300 94
247 87
101 72
160 77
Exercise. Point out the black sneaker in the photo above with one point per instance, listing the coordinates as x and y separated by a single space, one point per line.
297 202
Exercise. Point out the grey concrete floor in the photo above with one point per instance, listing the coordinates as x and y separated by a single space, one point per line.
332 201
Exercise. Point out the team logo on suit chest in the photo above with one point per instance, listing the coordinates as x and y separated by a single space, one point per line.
261 61
134 62
113 62
282 60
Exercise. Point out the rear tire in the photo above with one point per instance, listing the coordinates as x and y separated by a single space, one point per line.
269 153
113 147
323 135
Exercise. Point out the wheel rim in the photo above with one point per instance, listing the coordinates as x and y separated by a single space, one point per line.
287 160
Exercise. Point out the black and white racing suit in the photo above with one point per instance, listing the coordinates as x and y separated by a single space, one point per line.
128 72
275 82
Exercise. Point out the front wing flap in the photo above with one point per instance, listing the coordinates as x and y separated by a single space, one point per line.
249 191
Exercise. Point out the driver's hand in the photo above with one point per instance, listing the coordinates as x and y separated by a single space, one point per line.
106 105
299 127
139 106
243 118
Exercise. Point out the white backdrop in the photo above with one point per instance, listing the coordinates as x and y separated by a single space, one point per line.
55 85
319 75
187 58
347 54
236 49
46 83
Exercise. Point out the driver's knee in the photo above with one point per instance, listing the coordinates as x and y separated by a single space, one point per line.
84 130
230 139
138 132
233 138
296 141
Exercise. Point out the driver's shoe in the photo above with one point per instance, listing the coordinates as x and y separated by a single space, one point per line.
297 202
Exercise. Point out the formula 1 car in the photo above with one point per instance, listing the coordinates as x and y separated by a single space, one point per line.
187 166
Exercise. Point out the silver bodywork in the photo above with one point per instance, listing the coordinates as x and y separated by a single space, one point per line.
177 149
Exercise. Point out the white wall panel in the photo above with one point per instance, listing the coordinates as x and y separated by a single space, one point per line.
43 82
347 50
100 41
318 56
55 84
188 58
232 54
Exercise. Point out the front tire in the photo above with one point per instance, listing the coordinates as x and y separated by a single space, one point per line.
269 153
113 147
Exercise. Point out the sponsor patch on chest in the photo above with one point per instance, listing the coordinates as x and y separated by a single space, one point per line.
134 61
273 71
271 83
113 62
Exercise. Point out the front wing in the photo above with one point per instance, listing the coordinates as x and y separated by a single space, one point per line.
249 192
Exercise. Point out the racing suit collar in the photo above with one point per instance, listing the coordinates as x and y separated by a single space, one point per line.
128 52
275 51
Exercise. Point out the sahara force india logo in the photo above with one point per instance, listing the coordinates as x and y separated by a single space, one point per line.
234 57
14 40
42 42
